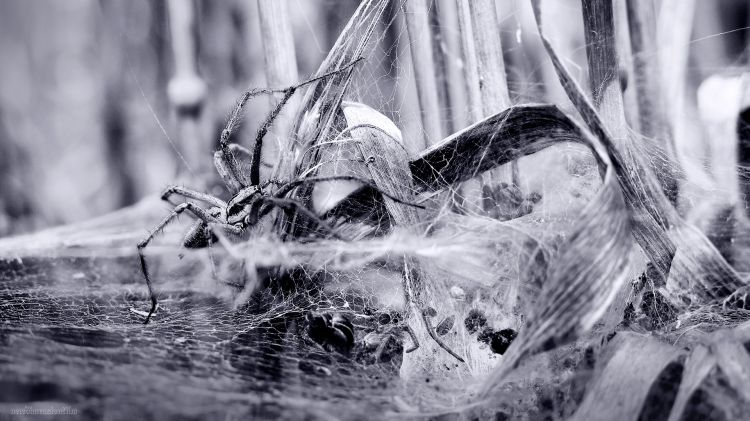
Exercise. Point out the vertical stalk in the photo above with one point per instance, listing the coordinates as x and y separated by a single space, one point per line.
743 145
471 67
646 68
673 37
649 95
601 52
186 89
487 85
443 25
280 65
416 17
491 66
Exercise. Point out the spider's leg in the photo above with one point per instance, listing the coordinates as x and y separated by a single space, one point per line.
284 190
195 210
414 341
192 194
225 156
227 163
144 243
292 204
212 227
228 169
277 183
240 151
244 154
288 92
383 343
263 130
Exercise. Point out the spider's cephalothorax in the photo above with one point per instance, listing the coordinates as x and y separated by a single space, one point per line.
251 200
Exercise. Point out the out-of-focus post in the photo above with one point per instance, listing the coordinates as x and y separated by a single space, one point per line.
186 89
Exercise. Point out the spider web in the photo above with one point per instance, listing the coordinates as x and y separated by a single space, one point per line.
578 271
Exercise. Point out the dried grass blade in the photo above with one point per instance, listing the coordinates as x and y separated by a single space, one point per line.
697 367
619 391
585 276
701 273
423 65
496 140
734 362
581 282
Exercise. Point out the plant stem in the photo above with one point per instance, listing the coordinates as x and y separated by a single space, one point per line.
493 85
447 52
416 17
601 52
280 65
651 120
471 67
488 86
673 37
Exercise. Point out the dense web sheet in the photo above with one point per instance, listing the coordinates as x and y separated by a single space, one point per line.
607 287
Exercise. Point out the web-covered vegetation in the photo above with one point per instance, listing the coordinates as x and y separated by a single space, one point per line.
609 285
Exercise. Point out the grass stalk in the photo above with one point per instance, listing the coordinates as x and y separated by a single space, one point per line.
491 66
447 52
674 27
487 85
280 65
471 67
601 52
604 70
417 26
646 70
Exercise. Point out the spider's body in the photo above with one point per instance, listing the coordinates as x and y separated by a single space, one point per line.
251 200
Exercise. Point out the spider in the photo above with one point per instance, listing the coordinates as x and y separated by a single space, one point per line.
332 331
251 199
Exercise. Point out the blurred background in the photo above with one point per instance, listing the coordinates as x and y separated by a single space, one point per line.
87 123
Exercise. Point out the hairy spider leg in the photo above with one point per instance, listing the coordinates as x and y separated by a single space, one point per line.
244 154
192 194
225 159
413 336
195 210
